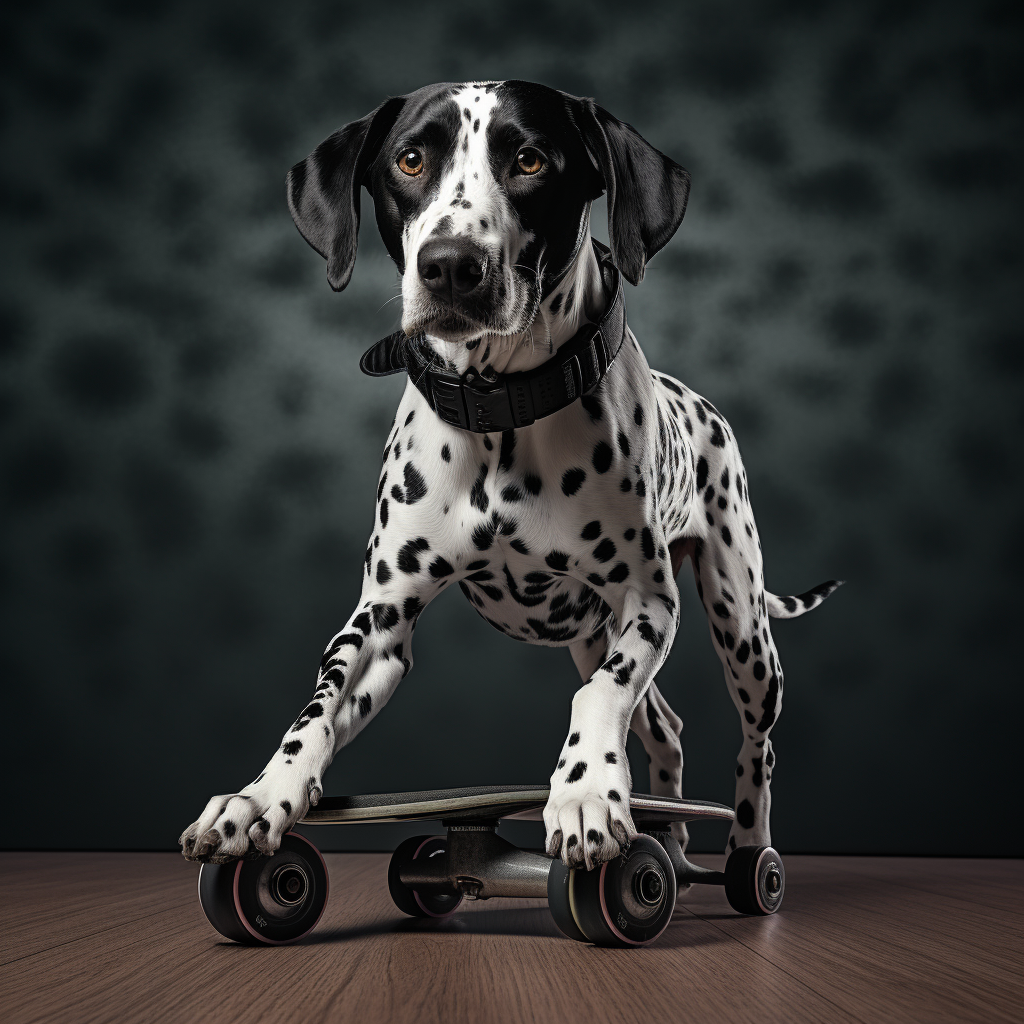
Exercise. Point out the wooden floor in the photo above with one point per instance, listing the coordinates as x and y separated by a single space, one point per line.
120 937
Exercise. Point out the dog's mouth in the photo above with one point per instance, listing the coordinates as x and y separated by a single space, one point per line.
465 322
444 322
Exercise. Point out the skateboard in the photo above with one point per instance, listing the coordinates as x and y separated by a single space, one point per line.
626 902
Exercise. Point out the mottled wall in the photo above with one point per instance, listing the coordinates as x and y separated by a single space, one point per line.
188 453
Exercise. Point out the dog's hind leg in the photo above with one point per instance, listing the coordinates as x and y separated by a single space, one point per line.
659 729
731 588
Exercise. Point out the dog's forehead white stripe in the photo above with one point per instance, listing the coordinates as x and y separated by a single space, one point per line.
468 191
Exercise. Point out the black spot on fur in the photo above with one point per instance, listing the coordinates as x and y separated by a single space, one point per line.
572 480
365 704
611 757
291 747
655 726
507 452
415 485
744 814
385 616
532 483
651 635
578 770
602 457
557 560
605 551
483 536
440 567
702 473
647 543
574 739
407 560
592 530
619 573
446 453
477 496
383 572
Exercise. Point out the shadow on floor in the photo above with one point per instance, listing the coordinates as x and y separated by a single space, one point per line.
527 921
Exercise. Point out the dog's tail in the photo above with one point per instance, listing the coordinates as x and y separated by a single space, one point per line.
793 607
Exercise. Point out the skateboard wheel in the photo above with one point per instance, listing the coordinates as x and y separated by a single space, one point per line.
558 901
755 880
628 901
420 902
267 900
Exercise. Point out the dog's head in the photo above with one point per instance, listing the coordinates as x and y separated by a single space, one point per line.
482 195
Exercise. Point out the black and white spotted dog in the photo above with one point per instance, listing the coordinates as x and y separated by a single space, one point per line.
536 461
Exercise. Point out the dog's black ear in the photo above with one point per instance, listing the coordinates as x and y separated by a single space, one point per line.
647 191
323 190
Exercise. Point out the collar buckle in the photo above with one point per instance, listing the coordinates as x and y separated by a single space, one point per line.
461 404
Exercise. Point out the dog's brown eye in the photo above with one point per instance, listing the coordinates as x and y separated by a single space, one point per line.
411 162
529 160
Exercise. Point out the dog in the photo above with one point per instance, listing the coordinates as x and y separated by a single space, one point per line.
535 458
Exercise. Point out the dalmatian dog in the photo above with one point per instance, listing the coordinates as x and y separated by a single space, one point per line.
565 525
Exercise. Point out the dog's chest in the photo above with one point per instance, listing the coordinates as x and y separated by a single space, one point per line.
534 604
544 519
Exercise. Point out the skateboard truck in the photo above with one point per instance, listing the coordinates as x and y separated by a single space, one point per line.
481 864
625 902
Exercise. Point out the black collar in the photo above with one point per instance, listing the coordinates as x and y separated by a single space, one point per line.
513 399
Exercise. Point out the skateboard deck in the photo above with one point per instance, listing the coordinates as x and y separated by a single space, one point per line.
493 803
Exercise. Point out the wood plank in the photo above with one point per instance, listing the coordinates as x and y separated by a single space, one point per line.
994 883
84 893
885 950
498 960
103 937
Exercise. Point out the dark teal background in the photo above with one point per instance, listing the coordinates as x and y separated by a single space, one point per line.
188 452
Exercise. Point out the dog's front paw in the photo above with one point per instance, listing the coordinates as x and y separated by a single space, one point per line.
251 822
587 814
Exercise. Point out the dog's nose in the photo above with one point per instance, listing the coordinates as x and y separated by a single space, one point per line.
451 268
